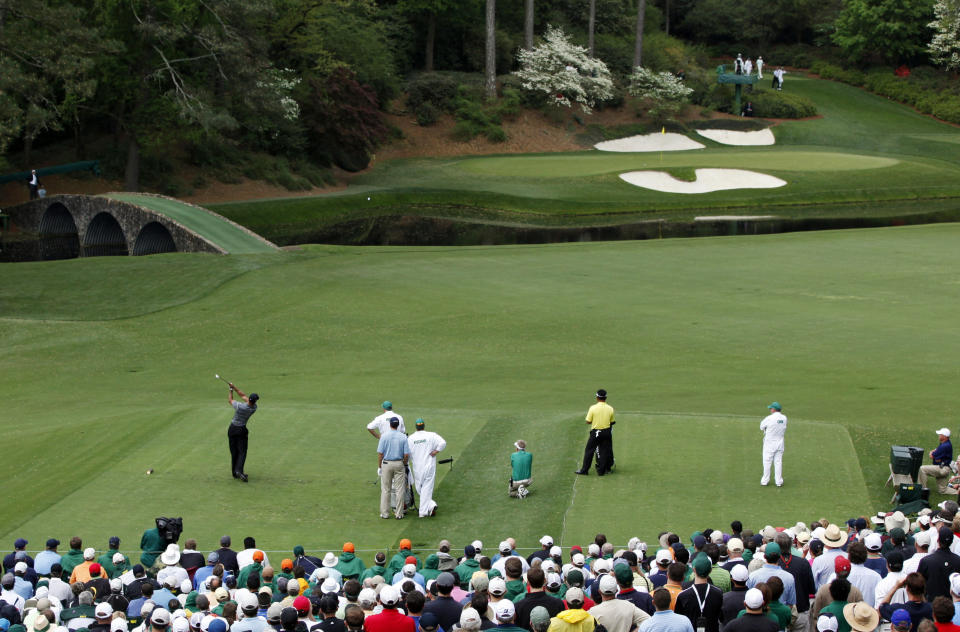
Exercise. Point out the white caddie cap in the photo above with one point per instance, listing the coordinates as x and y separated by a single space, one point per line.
546 541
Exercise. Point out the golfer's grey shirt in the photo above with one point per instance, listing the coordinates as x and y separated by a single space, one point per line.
244 412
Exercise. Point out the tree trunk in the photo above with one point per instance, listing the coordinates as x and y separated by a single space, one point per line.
490 69
591 24
666 16
132 172
528 25
641 17
431 38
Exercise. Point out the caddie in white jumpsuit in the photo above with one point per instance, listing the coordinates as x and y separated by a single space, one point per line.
759 67
381 423
424 446
773 427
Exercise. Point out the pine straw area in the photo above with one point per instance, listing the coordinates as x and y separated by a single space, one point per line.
531 132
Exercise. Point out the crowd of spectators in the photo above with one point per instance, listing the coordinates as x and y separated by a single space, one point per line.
883 573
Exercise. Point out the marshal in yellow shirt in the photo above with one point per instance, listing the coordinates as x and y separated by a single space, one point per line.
600 415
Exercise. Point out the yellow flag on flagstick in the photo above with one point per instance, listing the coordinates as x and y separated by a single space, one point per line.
663 130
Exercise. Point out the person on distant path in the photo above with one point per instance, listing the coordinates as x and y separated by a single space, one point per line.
748 66
521 470
941 456
738 65
237 433
773 427
601 420
381 423
424 447
34 185
393 453
778 78
759 67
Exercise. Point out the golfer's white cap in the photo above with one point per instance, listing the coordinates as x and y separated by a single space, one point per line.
944 431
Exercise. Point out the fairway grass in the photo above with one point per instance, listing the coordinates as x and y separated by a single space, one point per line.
109 366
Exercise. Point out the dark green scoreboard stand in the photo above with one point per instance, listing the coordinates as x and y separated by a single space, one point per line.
738 82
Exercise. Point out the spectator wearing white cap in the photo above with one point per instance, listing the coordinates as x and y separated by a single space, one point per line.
733 599
103 613
470 620
409 572
662 561
875 561
664 619
20 585
575 618
616 615
249 621
546 543
753 620
507 549
390 619
505 614
941 456
82 572
921 544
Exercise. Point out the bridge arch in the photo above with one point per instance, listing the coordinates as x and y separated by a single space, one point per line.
104 237
58 234
154 238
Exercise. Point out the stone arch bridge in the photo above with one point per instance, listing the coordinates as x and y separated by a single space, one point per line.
68 226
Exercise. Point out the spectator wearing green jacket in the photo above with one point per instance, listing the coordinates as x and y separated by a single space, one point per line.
72 558
467 567
106 560
378 568
349 565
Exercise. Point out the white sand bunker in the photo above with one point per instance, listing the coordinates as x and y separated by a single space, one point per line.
730 137
650 142
708 180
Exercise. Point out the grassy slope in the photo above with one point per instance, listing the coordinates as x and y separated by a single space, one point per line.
850 330
841 164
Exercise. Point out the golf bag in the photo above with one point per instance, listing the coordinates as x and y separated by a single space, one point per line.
170 529
408 498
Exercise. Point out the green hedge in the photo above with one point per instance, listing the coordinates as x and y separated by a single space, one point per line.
925 89
777 104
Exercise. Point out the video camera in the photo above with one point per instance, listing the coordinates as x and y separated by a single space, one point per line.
170 529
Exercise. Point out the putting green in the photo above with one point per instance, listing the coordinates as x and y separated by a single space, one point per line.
666 463
598 163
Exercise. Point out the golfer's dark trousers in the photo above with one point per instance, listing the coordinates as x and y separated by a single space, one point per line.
237 436
600 441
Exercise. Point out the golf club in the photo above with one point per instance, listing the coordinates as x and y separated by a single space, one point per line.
217 375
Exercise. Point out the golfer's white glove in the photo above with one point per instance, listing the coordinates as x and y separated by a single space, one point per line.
378 471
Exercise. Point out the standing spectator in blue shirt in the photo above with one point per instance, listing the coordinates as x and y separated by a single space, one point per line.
665 619
47 558
771 556
392 456
941 456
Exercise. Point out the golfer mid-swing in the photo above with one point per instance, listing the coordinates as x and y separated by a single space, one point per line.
237 432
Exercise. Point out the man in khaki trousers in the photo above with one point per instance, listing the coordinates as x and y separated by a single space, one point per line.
392 456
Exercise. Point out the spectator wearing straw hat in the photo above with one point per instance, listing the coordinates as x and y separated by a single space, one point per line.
823 566
824 595
941 456
861 617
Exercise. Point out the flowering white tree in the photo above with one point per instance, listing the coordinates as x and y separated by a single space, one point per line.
663 92
945 46
565 72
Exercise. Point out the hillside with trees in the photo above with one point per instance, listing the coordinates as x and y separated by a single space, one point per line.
288 91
